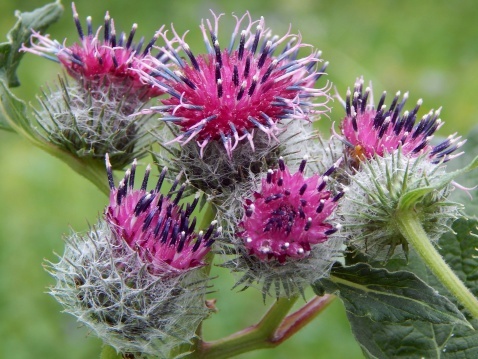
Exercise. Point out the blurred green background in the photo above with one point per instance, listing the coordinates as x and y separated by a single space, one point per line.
429 48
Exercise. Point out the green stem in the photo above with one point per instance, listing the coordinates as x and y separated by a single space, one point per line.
299 319
273 329
255 337
412 230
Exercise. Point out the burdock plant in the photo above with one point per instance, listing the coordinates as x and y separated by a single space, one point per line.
244 181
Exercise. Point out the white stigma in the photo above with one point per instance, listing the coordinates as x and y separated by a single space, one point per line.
265 249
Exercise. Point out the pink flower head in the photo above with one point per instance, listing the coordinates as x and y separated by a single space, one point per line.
225 94
370 131
155 225
113 61
288 215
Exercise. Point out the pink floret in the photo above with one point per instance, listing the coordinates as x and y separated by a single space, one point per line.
288 215
155 225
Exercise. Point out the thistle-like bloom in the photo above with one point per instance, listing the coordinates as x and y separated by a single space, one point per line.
283 237
370 131
227 94
90 116
111 62
288 215
155 225
134 279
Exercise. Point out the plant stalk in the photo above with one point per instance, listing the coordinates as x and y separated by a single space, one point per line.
273 329
412 230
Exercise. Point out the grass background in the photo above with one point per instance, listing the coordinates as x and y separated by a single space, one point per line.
429 48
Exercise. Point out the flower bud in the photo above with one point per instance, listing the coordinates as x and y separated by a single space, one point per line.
381 189
89 124
90 115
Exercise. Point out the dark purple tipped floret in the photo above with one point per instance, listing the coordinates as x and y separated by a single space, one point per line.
374 131
155 225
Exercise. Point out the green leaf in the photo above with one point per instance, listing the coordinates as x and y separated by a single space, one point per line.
463 343
14 111
385 296
38 20
408 340
460 250
10 57
416 338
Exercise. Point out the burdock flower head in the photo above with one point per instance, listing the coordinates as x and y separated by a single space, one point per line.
284 237
110 63
368 130
90 116
227 94
155 225
135 278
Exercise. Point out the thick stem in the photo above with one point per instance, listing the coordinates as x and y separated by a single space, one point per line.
255 337
412 230
272 330
299 319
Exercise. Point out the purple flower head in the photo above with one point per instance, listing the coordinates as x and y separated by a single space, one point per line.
155 225
111 61
288 215
370 130
226 94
